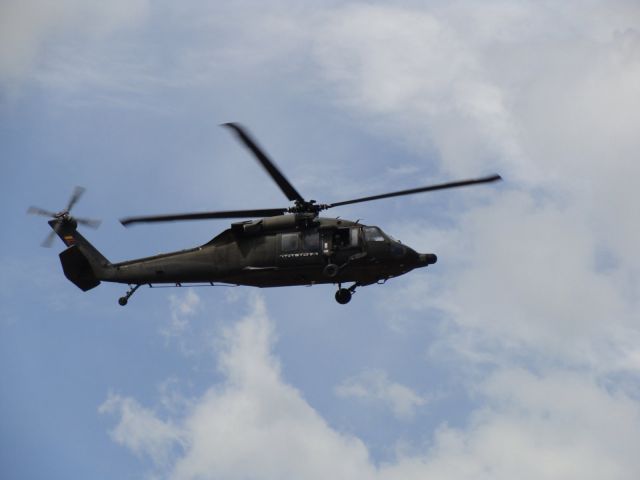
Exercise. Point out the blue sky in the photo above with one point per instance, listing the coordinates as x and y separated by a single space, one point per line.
516 355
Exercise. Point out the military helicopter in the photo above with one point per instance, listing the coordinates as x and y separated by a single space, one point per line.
277 247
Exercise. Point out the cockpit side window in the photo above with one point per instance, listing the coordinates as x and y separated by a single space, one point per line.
373 234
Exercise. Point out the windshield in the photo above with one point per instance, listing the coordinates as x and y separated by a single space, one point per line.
373 234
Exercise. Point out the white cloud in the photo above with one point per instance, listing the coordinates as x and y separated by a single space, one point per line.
524 87
418 74
253 424
556 426
525 276
522 283
374 385
548 95
182 308
26 26
140 430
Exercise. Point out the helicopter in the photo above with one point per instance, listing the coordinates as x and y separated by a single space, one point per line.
272 247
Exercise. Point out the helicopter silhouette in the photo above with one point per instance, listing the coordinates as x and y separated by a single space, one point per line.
275 247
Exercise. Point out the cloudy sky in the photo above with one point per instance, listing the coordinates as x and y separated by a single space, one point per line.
516 356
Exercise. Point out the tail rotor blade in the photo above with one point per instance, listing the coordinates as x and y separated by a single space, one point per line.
40 211
88 222
63 217
77 193
49 240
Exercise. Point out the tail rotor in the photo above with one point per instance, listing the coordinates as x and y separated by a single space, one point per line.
63 217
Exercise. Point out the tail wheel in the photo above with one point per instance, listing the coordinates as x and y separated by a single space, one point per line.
343 296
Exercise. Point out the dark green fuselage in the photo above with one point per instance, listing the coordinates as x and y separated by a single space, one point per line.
271 252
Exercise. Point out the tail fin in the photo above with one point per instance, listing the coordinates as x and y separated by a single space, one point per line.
77 269
82 263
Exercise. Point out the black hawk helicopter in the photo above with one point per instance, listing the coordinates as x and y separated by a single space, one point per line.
283 247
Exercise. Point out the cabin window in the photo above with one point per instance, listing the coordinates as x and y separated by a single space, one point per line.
373 234
311 241
341 238
290 242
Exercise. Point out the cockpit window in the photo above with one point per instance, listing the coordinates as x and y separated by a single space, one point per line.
373 234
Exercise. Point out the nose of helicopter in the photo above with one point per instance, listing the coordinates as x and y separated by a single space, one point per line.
425 259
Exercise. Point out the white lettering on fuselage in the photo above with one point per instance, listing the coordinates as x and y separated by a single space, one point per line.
300 254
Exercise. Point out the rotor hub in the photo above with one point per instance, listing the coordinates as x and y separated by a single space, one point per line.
63 218
310 206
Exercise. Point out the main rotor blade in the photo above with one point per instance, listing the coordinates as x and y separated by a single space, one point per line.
284 184
272 212
429 188
77 193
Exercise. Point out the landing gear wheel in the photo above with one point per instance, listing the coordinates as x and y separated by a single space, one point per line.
132 289
343 296
331 270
